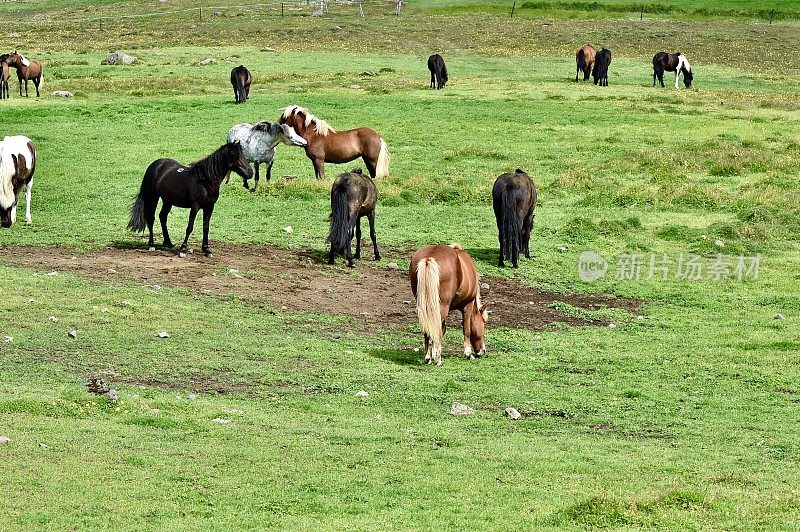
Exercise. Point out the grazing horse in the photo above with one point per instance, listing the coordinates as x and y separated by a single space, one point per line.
438 71
192 187
259 141
514 201
26 70
17 165
601 63
325 144
584 59
5 75
353 196
241 79
672 63
444 278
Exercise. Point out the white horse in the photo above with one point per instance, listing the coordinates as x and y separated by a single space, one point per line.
259 141
17 164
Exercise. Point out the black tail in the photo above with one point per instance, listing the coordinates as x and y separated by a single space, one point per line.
339 237
511 228
138 221
582 60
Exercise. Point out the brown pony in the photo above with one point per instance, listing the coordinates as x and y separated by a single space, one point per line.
444 278
5 74
325 144
26 70
584 59
353 196
514 201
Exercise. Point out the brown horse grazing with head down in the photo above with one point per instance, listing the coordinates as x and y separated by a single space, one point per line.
514 201
26 70
326 145
584 59
444 278
353 196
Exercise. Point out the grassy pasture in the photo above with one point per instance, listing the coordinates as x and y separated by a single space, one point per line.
682 417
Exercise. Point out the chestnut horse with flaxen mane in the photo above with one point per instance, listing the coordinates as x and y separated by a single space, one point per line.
326 145
444 278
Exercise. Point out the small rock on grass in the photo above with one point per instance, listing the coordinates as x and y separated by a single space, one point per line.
191 396
4 439
163 334
221 421
485 288
458 409
52 318
392 266
719 243
778 316
362 393
63 94
288 229
612 326
8 339
512 413
72 333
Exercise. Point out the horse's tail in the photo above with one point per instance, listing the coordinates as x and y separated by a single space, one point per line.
428 301
511 228
382 167
582 60
339 235
138 221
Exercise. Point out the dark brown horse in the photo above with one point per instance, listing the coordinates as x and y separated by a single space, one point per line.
438 71
677 63
192 187
584 59
26 70
600 71
326 145
241 80
5 75
514 202
444 278
353 196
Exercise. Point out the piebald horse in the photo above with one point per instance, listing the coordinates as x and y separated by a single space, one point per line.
26 70
584 59
444 278
672 63
17 165
326 145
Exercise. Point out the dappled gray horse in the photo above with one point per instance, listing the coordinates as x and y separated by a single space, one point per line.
259 141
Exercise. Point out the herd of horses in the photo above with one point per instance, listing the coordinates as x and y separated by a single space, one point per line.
443 278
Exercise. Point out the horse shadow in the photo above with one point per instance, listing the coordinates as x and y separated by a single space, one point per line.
402 357
316 256
486 256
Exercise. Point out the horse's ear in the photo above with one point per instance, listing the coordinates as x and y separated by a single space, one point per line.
357 171
16 164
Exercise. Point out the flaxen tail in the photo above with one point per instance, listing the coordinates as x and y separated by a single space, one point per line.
382 167
428 303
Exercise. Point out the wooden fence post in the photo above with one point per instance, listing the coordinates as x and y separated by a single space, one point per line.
512 8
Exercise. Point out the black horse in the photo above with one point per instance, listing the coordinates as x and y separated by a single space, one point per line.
601 63
192 187
438 71
677 63
514 201
241 79
353 196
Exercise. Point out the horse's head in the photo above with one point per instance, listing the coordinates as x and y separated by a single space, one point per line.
237 161
477 327
687 78
4 58
293 117
290 137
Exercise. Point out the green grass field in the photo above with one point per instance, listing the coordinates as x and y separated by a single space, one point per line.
682 416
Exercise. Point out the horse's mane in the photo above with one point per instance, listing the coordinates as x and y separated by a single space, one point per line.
266 126
212 168
320 126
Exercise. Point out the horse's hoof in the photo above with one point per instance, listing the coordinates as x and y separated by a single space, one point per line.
208 254
151 248
28 222
377 258
439 362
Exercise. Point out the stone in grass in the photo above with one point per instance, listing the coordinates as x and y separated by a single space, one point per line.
4 440
72 333
719 243
63 94
8 339
392 266
512 413
207 61
118 58
163 334
288 229
778 316
485 288
221 421
458 409
362 393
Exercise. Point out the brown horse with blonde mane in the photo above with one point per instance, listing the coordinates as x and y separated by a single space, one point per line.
444 278
26 70
326 145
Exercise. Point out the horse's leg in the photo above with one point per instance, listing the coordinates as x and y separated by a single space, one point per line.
433 79
26 87
427 343
348 252
319 168
255 185
28 187
371 165
36 83
189 228
371 219
207 212
358 238
269 169
162 216
331 256
677 73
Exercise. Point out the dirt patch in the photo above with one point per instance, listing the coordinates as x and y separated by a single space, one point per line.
300 281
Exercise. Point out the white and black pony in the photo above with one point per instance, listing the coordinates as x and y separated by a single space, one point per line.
600 71
438 71
259 142
241 80
672 63
17 165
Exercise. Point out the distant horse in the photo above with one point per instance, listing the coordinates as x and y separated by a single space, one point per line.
584 59
192 187
259 141
325 144
353 196
672 63
17 165
601 63
514 201
241 79
26 70
438 71
5 74
444 278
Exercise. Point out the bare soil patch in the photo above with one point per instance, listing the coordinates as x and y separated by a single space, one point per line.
300 281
